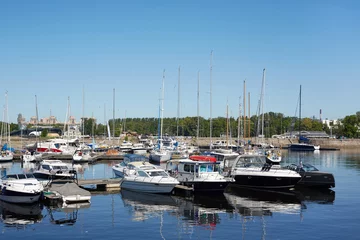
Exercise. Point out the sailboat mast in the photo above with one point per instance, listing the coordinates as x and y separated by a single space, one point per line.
227 124
249 114
198 107
37 119
211 56
7 119
178 106
262 104
83 114
245 132
300 114
239 122
113 113
162 105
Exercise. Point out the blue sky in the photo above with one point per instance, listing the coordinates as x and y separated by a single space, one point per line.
55 49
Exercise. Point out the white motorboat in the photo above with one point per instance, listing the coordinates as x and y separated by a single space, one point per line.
119 168
139 148
160 156
201 173
251 170
126 146
83 155
54 169
6 156
145 177
273 157
20 188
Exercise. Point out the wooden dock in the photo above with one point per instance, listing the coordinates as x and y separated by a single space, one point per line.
112 184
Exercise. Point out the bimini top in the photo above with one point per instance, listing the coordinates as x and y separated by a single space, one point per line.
202 158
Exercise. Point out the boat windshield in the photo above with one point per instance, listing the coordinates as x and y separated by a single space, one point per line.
157 173
309 168
60 167
250 161
209 168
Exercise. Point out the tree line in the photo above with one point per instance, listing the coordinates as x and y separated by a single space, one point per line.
274 124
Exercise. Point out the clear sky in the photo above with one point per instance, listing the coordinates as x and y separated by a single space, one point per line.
55 49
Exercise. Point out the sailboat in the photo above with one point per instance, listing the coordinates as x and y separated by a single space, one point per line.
6 150
160 154
302 146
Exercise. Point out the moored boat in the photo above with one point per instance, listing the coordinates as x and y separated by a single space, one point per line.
20 188
145 177
251 170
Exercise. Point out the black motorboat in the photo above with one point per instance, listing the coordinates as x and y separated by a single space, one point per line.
312 177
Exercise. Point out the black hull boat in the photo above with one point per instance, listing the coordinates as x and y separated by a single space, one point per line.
303 147
206 187
250 180
312 177
251 170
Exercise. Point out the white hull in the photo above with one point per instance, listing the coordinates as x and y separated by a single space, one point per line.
139 151
147 187
160 157
76 198
20 199
6 158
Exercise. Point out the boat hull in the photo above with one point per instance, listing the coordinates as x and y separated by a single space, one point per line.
147 187
19 197
206 186
279 182
41 175
303 147
160 157
317 180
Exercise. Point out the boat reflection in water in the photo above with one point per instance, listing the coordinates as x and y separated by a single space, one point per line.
66 214
192 212
20 215
147 205
257 202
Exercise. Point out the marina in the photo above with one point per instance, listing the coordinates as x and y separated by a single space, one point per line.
179 215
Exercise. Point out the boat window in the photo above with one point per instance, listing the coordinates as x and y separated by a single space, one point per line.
64 167
46 167
157 173
309 168
188 168
21 176
142 174
203 168
251 161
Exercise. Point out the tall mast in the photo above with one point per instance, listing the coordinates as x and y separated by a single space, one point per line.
249 115
239 122
198 107
262 103
162 105
245 132
125 122
300 114
211 56
227 124
37 119
113 113
105 123
178 107
83 114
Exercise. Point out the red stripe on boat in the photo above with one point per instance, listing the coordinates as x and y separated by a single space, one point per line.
202 158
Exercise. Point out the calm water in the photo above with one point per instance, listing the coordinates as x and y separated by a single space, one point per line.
234 215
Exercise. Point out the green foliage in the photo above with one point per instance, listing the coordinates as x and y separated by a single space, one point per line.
44 133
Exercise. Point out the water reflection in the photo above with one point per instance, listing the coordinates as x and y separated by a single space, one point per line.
259 202
66 215
255 202
18 216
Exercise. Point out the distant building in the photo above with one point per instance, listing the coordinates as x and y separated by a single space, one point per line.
331 123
